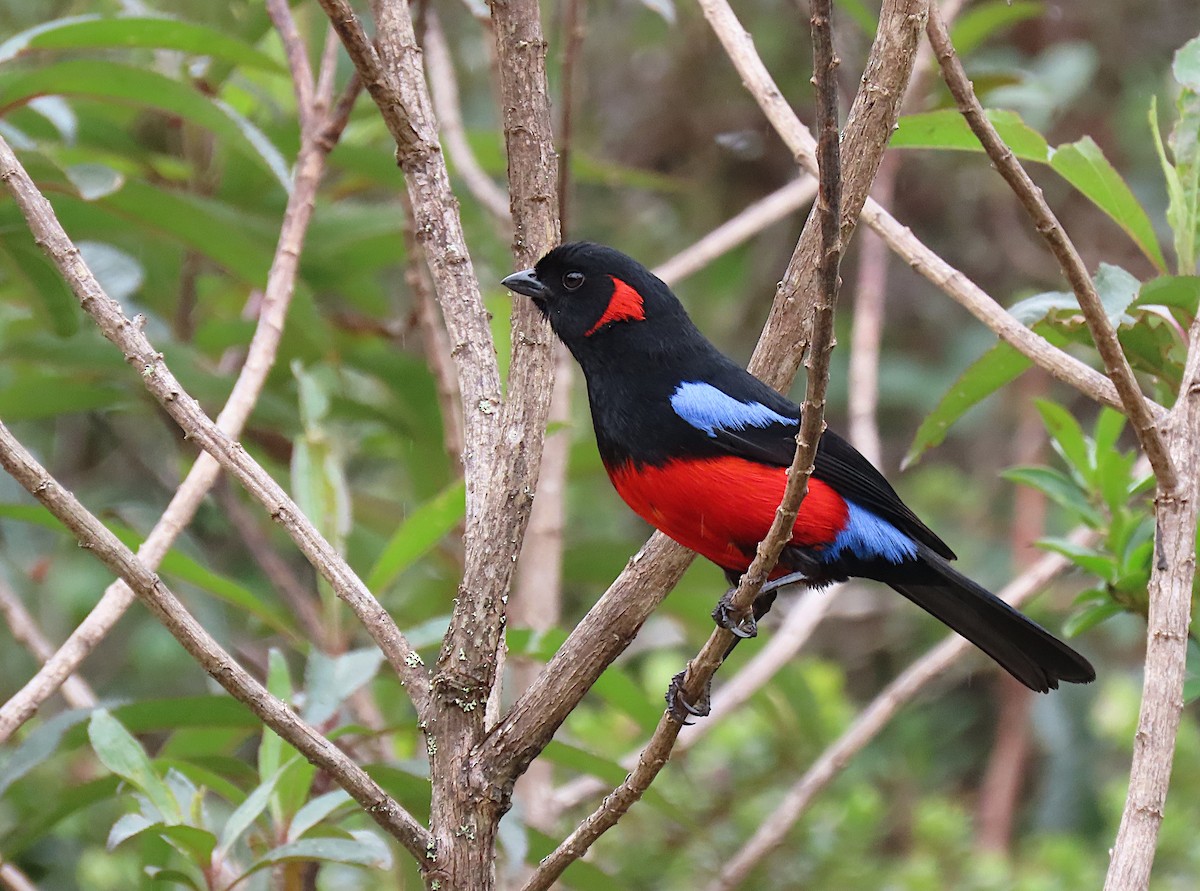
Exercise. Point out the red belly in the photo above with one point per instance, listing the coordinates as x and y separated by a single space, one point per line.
722 507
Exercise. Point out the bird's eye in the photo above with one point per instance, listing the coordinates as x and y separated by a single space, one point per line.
572 280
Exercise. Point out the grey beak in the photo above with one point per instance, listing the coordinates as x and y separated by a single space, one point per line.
526 282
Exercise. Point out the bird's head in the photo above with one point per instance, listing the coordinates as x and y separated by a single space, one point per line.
598 299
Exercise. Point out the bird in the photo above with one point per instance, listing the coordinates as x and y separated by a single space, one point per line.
699 448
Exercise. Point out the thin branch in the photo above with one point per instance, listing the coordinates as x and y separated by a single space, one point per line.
1172 576
764 212
13 879
186 411
443 88
1104 335
26 632
1064 367
260 358
96 538
871 720
699 674
297 59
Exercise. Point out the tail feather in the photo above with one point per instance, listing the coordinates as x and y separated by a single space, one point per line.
1022 647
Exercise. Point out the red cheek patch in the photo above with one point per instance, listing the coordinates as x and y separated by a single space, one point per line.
625 305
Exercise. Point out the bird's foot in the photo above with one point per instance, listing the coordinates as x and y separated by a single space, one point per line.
739 623
679 708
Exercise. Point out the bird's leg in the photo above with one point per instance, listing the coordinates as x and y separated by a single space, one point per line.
677 704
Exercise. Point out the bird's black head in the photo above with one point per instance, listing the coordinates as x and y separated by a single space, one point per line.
598 300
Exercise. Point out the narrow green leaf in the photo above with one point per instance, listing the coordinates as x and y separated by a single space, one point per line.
1059 488
53 301
1117 289
279 684
123 755
127 826
329 682
1087 619
94 180
94 31
41 743
364 849
316 810
1068 437
423 528
1176 291
112 81
1096 562
946 129
246 813
1000 365
1084 166
1186 65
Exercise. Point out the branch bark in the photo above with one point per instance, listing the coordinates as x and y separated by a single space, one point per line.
25 631
95 537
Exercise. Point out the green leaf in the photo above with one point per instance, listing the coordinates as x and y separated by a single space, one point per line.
1059 488
123 755
246 813
329 682
981 21
41 743
55 303
1186 65
1000 365
1084 166
279 684
947 129
364 849
1068 437
118 272
112 81
1089 618
1039 306
1176 291
1096 562
95 32
30 395
315 811
1117 289
423 528
94 181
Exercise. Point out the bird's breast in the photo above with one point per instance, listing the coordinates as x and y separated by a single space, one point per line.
721 507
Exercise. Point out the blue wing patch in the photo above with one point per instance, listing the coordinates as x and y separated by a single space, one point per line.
706 408
869 537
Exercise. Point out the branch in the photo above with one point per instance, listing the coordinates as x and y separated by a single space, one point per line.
874 718
188 414
13 879
764 212
443 89
315 144
1064 367
26 632
95 537
700 671
1171 580
1133 403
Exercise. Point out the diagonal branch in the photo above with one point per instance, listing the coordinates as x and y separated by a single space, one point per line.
187 413
96 538
315 144
1104 335
76 691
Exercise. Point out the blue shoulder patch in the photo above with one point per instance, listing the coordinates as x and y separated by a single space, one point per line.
706 408
870 537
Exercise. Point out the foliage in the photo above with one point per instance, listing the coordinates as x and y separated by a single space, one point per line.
163 133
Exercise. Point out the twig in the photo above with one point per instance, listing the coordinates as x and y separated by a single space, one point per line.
297 59
701 669
764 212
572 42
260 358
26 632
873 719
1064 367
186 411
1171 579
13 879
1104 335
443 89
95 537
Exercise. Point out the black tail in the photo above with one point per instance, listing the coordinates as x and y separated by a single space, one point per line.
1025 649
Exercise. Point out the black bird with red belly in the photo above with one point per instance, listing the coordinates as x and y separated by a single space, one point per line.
698 447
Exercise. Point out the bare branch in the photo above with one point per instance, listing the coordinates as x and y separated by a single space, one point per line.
1133 403
107 548
443 89
738 229
13 879
873 719
26 632
297 59
186 412
260 358
899 238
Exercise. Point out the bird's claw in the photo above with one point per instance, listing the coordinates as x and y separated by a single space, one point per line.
679 708
792 578
736 622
